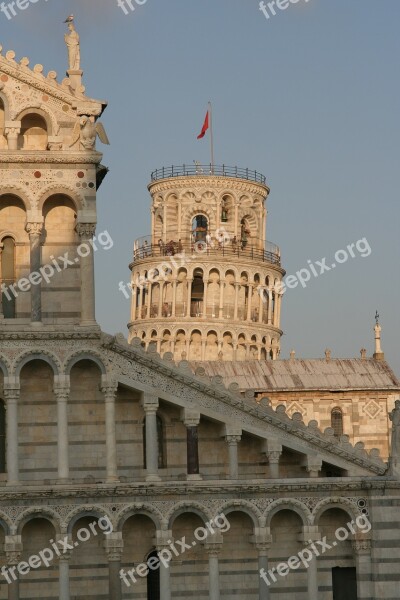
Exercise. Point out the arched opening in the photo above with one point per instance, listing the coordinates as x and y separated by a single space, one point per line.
160 443
153 576
199 228
337 421
37 534
60 238
33 134
286 530
196 306
195 345
8 278
2 437
138 532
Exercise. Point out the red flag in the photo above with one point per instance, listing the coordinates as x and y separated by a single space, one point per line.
205 127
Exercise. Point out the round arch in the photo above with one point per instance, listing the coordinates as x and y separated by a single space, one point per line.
245 507
80 355
19 193
38 513
62 190
187 507
140 509
289 504
336 502
42 355
50 120
86 511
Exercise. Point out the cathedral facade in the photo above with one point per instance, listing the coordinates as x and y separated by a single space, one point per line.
188 461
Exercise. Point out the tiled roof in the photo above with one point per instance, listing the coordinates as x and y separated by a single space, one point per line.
312 374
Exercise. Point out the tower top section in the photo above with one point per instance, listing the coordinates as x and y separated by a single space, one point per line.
206 284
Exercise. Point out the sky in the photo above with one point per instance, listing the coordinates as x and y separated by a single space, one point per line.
309 97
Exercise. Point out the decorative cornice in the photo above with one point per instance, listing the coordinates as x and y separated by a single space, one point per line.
220 182
67 158
198 489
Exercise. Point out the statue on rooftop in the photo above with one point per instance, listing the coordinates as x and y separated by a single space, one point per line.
74 52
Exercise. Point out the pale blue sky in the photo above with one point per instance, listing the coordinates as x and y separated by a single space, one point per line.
310 98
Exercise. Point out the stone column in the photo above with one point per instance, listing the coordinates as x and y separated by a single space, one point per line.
12 130
362 550
61 392
233 437
249 301
86 233
11 394
313 465
63 567
113 545
310 535
191 420
261 304
134 300
109 389
1 281
140 301
189 296
174 284
150 405
205 299
262 541
221 298
270 304
235 311
149 290
34 231
213 547
273 451
163 540
160 298
13 550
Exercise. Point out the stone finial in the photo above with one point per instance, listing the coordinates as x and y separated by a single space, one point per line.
363 353
292 354
378 354
328 354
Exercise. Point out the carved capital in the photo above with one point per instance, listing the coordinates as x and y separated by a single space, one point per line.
85 230
34 228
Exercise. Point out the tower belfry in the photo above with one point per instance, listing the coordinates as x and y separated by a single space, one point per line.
206 285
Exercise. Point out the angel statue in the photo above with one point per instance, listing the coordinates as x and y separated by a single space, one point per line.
86 130
72 41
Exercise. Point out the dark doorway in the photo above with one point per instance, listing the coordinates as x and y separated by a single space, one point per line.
344 583
153 578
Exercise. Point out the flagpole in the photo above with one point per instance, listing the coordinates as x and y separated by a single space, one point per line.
211 137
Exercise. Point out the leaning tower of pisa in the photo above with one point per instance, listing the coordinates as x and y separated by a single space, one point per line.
205 282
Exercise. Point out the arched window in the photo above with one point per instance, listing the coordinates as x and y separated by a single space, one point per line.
196 308
8 277
153 576
199 228
337 421
2 437
160 441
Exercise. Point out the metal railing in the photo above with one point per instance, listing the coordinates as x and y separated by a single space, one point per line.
148 247
210 170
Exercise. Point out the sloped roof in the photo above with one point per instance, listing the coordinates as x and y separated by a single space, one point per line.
313 374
